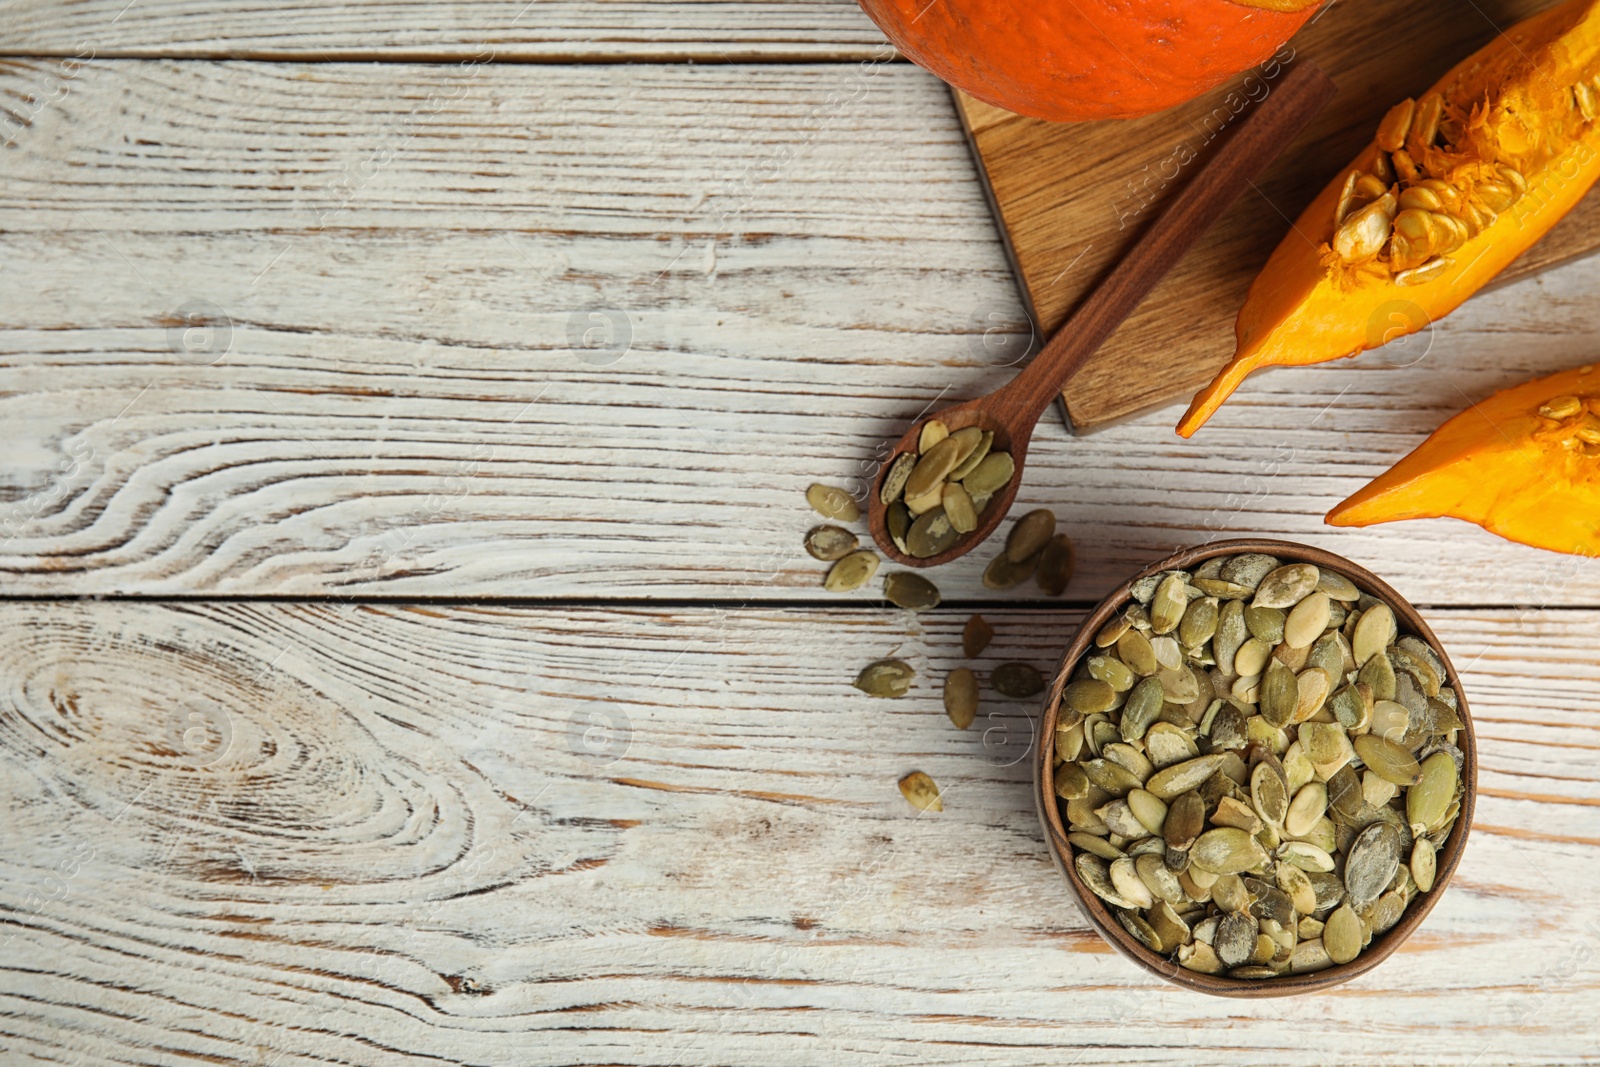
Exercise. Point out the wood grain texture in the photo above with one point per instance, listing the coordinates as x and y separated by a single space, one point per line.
539 30
414 397
405 854
1073 198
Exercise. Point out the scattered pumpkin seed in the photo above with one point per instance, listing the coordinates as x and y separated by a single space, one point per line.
911 591
961 701
921 792
1004 574
885 678
975 636
1030 534
832 502
1018 681
1057 560
830 543
851 572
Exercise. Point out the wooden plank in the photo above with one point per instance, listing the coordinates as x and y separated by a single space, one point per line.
542 30
411 398
1071 198
416 846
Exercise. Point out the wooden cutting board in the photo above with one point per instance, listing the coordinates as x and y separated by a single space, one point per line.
1071 197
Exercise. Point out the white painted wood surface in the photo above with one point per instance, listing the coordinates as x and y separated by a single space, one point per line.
404 852
706 30
400 404
449 828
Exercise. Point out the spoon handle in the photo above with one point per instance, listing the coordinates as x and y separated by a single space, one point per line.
1254 144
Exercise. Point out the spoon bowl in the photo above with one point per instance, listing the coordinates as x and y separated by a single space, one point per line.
1013 410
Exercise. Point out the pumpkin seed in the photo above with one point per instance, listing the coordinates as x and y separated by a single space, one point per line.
1226 850
1186 817
1199 623
851 572
958 506
921 792
1306 809
1286 586
1424 864
1182 777
1112 632
931 534
885 678
1004 574
1265 623
1307 620
991 475
1094 845
1296 884
1057 561
933 467
1311 693
1429 799
1390 761
1235 939
1342 935
1251 658
897 519
1030 534
1017 681
1373 859
1168 605
1134 649
933 431
1232 632
894 480
1113 672
961 700
1249 568
975 636
832 502
1378 675
911 591
1143 706
1337 586
1087 696
985 441
1279 694
1148 809
1374 633
830 543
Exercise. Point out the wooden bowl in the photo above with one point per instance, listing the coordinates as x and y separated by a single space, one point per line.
1096 910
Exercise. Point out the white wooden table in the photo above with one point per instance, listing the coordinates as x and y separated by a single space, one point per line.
407 656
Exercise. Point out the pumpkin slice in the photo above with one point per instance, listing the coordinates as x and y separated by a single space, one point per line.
1524 464
1453 187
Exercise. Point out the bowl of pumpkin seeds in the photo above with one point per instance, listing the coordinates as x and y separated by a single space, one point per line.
1257 769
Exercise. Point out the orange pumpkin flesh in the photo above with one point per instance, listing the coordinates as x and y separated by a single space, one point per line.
1519 103
1524 464
1072 60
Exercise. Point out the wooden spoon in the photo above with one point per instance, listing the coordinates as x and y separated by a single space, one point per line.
1013 410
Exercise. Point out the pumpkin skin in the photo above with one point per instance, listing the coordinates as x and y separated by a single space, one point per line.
1072 60
1509 464
1515 104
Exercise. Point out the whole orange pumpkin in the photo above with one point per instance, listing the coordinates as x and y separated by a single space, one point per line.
1071 60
